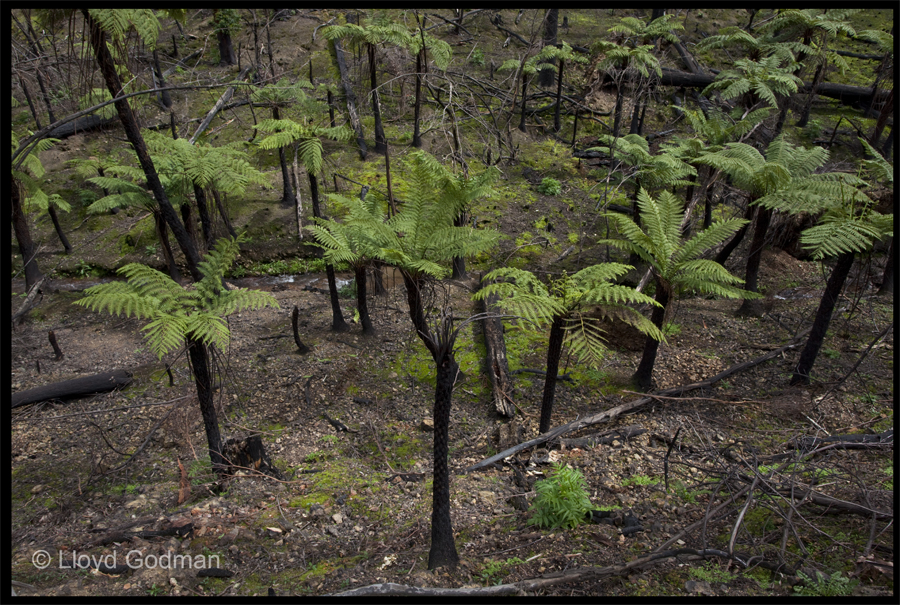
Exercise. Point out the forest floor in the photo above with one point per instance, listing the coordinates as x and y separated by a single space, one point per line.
86 472
339 520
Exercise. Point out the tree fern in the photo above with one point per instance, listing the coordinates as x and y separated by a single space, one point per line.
177 314
674 262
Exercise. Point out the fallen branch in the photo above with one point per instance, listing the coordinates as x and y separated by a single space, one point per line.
226 96
615 412
29 300
534 584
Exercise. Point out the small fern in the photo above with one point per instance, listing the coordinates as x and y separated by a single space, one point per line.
562 499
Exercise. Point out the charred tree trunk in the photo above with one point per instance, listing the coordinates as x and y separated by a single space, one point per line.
23 237
417 137
164 98
31 106
887 279
351 98
200 366
644 374
497 364
59 232
414 285
162 233
188 219
337 318
380 140
551 29
288 199
443 547
203 211
753 307
524 96
617 120
226 49
554 351
361 302
77 387
556 121
823 318
295 325
733 243
224 214
133 132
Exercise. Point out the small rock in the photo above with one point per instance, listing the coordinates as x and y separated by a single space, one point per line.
337 518
37 489
333 530
427 424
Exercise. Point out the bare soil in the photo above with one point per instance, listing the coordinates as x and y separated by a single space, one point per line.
339 521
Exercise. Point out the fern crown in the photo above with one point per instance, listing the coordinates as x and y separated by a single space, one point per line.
177 314
570 297
676 263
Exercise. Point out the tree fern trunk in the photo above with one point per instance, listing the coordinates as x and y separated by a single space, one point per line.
361 302
59 232
337 317
733 243
224 213
823 318
644 374
554 351
617 120
163 234
753 308
203 211
23 237
443 547
887 278
288 200
414 285
200 366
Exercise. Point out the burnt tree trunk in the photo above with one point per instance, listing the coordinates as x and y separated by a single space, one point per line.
380 140
337 318
497 364
351 98
644 374
295 321
443 547
288 199
551 29
203 211
554 351
77 387
524 96
34 113
887 279
361 302
417 137
753 307
823 318
162 233
200 366
224 214
133 133
556 121
226 49
59 232
733 243
23 237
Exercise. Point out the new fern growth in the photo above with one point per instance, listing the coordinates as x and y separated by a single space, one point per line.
562 499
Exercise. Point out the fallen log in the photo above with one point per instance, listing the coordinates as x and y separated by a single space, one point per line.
617 411
77 387
497 366
846 94
81 125
606 438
